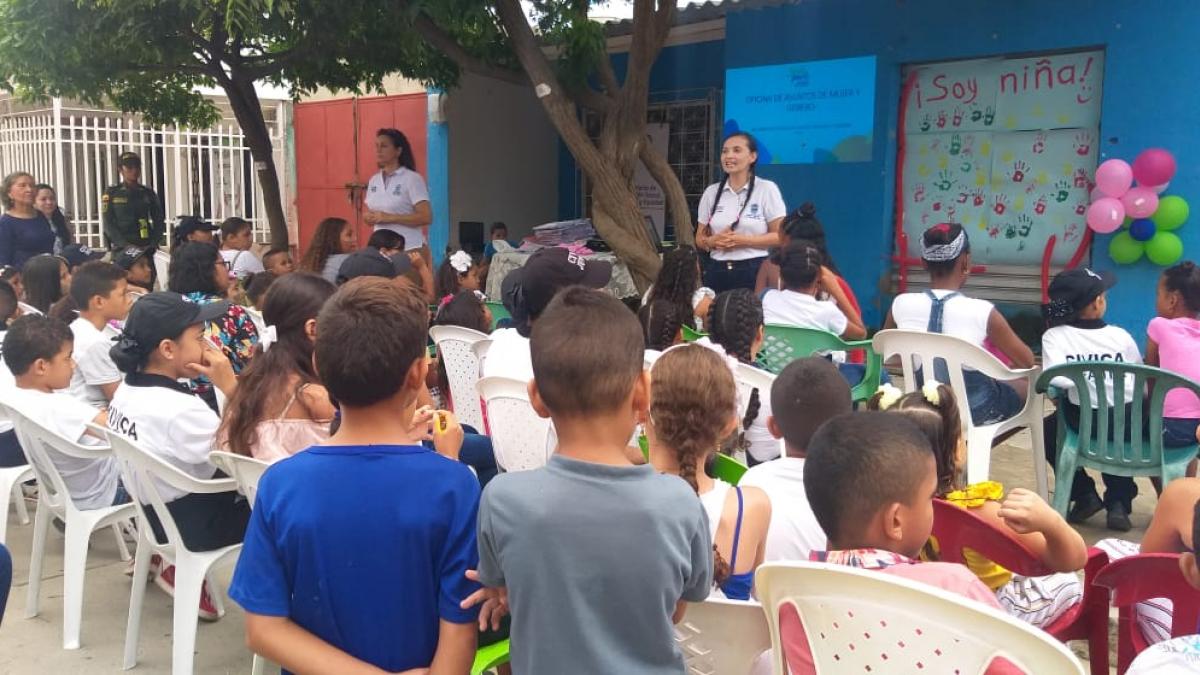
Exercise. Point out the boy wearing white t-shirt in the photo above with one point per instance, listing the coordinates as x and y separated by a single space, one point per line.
806 394
237 236
1077 332
37 350
98 290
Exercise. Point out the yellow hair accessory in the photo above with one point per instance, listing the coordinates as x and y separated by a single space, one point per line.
931 392
888 395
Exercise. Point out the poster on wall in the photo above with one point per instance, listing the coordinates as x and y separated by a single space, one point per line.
808 112
1006 147
651 200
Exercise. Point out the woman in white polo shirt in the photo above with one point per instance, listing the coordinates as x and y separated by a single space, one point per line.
739 218
397 198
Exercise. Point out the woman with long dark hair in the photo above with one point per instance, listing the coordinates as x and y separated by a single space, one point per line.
280 407
739 218
332 243
397 198
45 200
46 279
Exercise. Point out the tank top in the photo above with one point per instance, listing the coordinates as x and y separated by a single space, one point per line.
737 586
281 437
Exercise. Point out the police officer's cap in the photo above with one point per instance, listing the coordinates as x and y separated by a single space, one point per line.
130 159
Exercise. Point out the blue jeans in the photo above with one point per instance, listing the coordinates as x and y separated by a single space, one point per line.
854 372
1179 432
990 400
5 578
727 275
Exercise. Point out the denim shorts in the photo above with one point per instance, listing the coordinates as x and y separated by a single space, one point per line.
990 400
1179 431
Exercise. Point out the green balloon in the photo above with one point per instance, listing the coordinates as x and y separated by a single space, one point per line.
1172 212
1164 248
1124 249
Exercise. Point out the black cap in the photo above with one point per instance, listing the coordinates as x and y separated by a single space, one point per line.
190 224
126 257
1072 290
130 159
163 316
552 269
367 262
77 254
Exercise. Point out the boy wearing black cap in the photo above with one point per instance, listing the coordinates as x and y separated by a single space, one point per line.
132 213
1077 332
163 343
193 228
138 263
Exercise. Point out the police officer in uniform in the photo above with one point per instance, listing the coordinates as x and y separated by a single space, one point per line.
133 214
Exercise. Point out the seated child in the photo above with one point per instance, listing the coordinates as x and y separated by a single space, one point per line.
806 394
796 303
1173 343
163 343
138 263
278 262
387 242
256 290
37 350
693 406
678 283
457 273
870 478
1077 332
1035 600
10 449
237 237
588 593
1180 655
410 522
946 251
98 292
662 324
735 323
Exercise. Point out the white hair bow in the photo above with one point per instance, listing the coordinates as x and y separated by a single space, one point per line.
267 337
461 261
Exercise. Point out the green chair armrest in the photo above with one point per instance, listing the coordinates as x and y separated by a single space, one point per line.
729 469
490 656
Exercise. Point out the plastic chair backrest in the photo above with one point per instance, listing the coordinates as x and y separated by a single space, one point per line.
38 442
162 267
750 378
520 437
1144 577
245 470
691 334
957 528
722 637
728 469
1097 416
868 621
499 312
784 344
456 346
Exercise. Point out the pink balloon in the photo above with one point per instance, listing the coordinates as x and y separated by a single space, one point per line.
1114 177
1106 215
1140 202
1154 167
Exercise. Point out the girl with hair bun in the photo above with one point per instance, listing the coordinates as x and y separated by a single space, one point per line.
1173 343
693 406
1036 600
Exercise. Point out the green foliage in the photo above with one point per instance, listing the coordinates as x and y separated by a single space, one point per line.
564 24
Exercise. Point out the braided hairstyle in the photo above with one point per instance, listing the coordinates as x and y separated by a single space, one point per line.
799 265
689 388
661 323
940 422
678 279
803 224
734 321
1184 279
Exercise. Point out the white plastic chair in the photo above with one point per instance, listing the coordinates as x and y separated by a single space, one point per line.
867 621
455 346
140 469
722 637
520 438
750 378
162 268
956 353
11 479
54 499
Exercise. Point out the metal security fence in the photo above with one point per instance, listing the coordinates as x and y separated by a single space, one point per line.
202 172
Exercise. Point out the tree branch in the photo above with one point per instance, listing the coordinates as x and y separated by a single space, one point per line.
592 99
608 77
436 37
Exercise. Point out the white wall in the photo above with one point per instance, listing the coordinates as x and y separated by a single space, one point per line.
503 157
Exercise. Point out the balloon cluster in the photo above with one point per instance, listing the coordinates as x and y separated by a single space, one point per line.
1150 218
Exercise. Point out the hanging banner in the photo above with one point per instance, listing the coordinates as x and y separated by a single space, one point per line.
651 200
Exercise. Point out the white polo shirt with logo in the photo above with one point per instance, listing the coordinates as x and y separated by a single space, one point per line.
93 365
762 206
164 417
398 193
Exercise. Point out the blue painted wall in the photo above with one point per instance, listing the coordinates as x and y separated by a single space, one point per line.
1149 100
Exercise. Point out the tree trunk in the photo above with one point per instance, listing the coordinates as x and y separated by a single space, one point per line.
248 111
681 213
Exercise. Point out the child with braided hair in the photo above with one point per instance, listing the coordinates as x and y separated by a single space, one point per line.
735 324
679 283
693 403
1035 600
662 323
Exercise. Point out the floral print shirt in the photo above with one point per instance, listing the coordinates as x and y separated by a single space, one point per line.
235 333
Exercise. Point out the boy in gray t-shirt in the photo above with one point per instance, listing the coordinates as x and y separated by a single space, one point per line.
597 556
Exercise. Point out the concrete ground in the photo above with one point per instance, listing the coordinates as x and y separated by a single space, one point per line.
34 646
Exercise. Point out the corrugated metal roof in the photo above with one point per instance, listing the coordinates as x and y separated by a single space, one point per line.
699 13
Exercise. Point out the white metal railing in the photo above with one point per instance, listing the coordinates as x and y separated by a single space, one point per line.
203 172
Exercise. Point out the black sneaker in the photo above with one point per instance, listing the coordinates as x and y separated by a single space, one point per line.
1118 518
1085 508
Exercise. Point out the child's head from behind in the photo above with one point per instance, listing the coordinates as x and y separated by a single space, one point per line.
370 343
693 404
661 322
387 242
37 349
805 395
946 251
257 287
47 279
99 288
164 334
587 358
803 225
870 479
800 266
735 321
934 410
465 309
8 304
1179 291
292 307
679 276
1078 294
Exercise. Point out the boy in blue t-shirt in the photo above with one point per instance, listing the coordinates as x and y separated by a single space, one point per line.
357 550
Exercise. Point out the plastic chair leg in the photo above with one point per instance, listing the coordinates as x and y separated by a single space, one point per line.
10 489
41 527
74 570
141 569
122 548
979 454
216 593
1064 475
1038 440
188 581
258 665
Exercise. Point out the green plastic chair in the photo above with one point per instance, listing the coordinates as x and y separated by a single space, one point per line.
728 469
1092 446
691 334
499 312
784 344
489 657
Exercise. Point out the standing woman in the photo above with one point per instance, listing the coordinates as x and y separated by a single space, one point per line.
24 232
739 218
45 200
397 198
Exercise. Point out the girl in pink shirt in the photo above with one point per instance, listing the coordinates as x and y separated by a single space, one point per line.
1173 344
